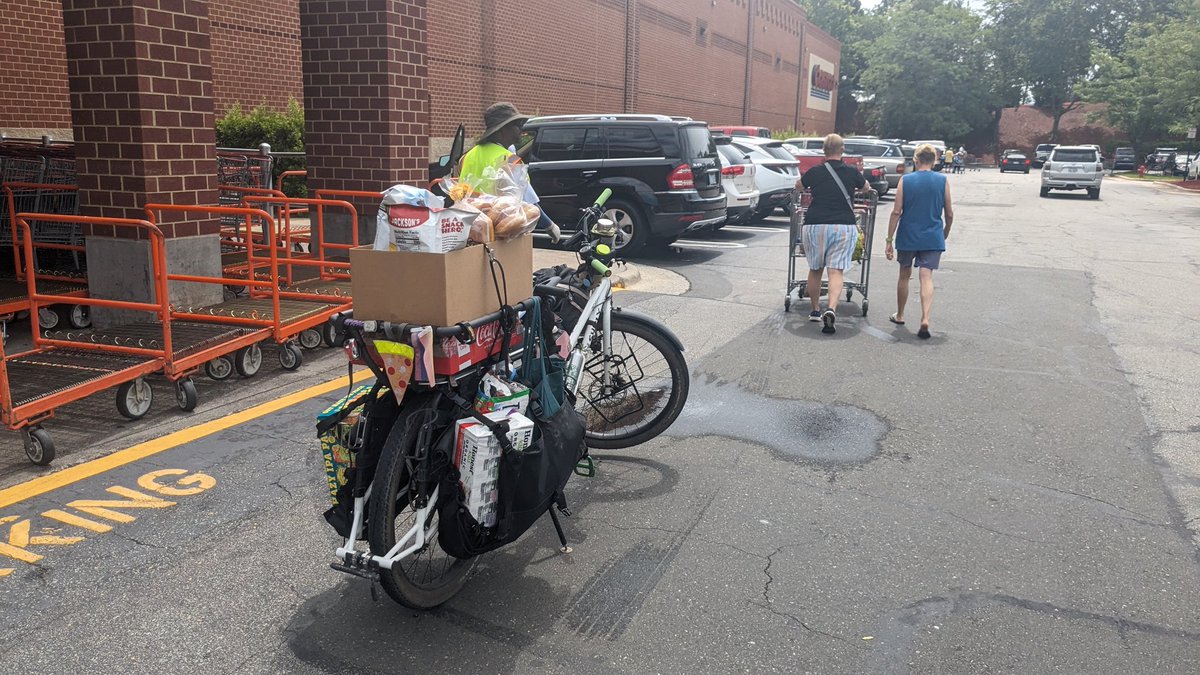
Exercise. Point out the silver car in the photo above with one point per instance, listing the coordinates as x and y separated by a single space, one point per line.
879 153
1075 167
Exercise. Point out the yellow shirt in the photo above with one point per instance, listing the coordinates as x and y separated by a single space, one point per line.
477 160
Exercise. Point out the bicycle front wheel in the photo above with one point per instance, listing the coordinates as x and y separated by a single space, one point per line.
430 576
634 394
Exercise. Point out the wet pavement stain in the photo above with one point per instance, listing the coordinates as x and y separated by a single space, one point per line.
806 431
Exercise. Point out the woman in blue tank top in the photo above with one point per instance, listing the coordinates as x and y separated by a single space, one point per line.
919 226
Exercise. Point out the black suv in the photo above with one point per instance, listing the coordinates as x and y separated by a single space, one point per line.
1124 159
663 171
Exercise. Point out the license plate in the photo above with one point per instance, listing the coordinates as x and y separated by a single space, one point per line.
1074 169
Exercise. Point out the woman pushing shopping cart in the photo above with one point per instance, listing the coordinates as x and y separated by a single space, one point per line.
832 230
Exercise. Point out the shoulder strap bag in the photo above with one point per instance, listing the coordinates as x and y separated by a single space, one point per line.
858 242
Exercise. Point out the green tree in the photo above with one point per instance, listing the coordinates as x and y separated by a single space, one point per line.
1152 88
927 71
1049 44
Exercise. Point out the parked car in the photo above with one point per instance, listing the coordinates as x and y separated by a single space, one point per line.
808 142
887 155
1014 161
876 176
1124 159
1040 153
776 173
664 173
1184 162
1076 167
1162 159
737 179
754 132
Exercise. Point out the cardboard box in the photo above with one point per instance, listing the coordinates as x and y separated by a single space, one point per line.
477 455
437 289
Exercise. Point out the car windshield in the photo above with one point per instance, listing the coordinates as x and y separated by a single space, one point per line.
1016 156
1045 147
1124 151
1074 155
908 150
699 142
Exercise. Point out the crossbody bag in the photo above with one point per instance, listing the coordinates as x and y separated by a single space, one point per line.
858 243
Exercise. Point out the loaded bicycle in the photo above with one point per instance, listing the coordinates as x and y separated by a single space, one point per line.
623 381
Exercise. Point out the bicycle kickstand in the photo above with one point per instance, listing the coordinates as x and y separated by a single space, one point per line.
560 504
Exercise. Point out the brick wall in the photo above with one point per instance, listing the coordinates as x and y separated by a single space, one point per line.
255 53
141 99
685 57
366 117
33 67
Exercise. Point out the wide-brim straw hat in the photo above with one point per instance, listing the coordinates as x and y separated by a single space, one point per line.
498 116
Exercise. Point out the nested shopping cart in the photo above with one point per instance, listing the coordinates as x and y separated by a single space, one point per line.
266 303
865 207
57 260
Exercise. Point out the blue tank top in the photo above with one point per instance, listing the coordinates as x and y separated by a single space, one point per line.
921 225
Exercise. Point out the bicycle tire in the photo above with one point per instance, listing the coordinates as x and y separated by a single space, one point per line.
603 410
389 500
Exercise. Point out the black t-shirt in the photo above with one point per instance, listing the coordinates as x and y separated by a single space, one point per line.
828 204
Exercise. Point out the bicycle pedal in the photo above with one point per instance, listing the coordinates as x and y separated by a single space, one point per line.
565 511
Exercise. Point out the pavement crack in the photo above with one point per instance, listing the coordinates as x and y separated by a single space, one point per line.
1141 517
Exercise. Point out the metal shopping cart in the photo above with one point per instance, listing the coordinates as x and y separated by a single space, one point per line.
865 207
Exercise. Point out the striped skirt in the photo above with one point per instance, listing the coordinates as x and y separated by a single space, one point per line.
829 245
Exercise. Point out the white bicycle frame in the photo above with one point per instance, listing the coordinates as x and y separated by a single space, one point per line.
597 310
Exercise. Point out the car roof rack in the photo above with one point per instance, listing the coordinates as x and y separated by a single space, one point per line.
603 116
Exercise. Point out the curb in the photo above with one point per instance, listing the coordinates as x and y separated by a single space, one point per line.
1158 183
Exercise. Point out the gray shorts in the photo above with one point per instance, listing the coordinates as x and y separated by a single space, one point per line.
927 259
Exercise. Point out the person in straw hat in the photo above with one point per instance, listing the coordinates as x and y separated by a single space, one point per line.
496 146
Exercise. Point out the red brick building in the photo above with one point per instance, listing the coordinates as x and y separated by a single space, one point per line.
723 61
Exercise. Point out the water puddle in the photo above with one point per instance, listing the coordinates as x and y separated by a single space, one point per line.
796 430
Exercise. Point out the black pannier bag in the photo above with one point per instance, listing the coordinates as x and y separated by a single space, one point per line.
530 480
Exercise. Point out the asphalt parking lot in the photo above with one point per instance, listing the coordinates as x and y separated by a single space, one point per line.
1018 493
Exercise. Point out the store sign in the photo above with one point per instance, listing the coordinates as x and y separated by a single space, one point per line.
822 83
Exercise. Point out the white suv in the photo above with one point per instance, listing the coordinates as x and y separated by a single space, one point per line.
1073 167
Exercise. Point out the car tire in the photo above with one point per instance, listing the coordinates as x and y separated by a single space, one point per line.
631 224
1026 172
1045 192
1094 193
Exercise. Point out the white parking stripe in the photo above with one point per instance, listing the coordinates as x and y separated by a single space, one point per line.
692 243
745 228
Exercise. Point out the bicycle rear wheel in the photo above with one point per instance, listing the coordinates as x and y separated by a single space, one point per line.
430 576
647 386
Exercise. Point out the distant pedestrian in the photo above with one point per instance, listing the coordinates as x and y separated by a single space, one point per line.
920 224
830 227
947 159
958 161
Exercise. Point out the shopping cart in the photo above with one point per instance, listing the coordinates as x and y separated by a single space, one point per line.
865 207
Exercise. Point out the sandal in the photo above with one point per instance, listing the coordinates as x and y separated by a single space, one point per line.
892 318
924 332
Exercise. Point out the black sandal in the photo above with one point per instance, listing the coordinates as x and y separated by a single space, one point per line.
924 333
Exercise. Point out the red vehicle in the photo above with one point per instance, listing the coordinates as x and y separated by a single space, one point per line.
810 158
753 132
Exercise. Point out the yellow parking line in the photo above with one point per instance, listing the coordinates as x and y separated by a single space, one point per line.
43 484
